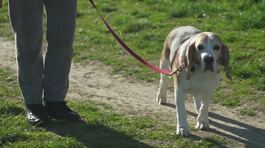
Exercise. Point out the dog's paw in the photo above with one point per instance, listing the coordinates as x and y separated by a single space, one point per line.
183 132
204 125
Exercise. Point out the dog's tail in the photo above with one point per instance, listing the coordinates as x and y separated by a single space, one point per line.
165 53
164 60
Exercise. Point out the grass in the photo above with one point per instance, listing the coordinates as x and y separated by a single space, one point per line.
247 112
144 24
100 128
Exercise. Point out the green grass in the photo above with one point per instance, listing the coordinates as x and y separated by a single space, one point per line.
144 24
100 128
247 112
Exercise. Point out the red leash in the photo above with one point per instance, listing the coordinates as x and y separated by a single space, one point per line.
122 43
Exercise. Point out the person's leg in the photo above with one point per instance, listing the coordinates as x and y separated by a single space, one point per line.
61 16
26 21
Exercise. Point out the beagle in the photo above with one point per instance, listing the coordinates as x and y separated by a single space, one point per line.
200 55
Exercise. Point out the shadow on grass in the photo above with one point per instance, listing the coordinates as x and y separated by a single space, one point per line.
12 110
247 134
94 136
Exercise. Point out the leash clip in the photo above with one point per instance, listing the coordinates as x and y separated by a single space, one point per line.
179 69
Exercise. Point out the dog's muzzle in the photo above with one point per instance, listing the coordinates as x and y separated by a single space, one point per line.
208 59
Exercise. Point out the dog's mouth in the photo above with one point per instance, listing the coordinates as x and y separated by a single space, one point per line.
208 67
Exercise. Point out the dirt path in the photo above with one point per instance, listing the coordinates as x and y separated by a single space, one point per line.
93 81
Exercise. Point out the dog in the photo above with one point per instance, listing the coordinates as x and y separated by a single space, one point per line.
198 57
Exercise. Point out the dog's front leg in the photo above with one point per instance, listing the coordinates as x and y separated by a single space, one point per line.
182 124
197 104
202 119
161 97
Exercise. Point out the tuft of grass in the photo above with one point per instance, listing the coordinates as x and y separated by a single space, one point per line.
7 83
247 112
5 28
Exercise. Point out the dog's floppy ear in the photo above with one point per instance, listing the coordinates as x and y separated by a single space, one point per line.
188 58
224 60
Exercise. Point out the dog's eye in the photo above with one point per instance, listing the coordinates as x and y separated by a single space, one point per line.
200 47
216 47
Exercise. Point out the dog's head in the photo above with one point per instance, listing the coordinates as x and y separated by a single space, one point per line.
206 49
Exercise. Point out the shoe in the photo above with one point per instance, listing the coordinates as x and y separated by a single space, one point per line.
59 110
36 114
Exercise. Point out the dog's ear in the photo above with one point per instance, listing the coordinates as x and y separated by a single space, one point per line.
188 58
224 60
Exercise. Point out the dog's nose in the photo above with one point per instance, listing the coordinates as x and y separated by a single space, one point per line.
208 59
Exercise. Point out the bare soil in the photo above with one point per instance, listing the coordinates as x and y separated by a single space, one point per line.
94 81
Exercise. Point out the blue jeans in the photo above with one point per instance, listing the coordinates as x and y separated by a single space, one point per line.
43 78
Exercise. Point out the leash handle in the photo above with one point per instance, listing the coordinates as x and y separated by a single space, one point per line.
128 49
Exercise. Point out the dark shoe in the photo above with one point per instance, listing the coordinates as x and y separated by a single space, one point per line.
59 110
36 114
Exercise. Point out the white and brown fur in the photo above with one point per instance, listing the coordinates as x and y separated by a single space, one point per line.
200 55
